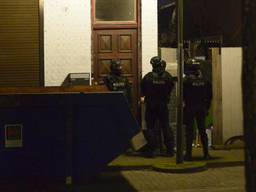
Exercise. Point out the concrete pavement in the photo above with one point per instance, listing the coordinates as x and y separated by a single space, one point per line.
134 173
225 179
221 158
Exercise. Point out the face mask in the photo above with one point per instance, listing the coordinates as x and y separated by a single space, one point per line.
117 70
159 70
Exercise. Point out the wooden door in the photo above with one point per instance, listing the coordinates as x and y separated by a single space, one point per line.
117 44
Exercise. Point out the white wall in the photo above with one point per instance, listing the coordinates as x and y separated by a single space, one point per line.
231 59
170 56
67 31
67 36
149 33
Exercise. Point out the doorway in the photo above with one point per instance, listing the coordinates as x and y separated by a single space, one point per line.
115 28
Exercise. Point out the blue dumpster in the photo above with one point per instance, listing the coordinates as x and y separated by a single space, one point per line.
32 145
47 137
103 127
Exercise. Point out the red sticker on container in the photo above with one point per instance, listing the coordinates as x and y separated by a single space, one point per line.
13 135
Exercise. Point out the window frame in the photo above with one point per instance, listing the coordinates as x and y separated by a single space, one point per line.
114 24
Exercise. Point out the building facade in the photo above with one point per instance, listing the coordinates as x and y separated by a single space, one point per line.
64 31
42 41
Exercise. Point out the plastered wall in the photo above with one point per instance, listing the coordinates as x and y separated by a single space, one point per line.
231 59
67 36
170 56
149 33
67 39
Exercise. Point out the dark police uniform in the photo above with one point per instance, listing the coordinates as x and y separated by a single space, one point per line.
156 87
116 82
197 97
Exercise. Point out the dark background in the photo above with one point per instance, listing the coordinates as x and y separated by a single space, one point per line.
204 18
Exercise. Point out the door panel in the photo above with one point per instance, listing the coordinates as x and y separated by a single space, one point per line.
117 44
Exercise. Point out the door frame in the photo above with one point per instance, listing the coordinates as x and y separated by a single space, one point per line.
134 25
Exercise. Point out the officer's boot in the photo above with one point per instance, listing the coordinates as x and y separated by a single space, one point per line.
205 148
169 143
151 146
188 154
170 150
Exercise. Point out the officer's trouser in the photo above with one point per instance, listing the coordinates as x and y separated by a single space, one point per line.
158 114
199 115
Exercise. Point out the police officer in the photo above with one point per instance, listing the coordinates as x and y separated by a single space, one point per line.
197 93
116 82
156 87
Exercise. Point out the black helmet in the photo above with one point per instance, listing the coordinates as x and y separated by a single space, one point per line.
158 65
116 67
156 61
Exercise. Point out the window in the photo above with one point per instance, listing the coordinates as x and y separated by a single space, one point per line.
121 11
